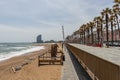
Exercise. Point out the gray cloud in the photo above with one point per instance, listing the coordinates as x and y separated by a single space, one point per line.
25 19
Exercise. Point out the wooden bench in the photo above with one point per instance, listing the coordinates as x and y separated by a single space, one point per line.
47 59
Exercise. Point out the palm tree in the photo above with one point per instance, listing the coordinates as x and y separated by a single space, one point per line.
91 24
82 34
76 33
100 29
83 27
88 33
111 22
106 13
116 11
96 19
115 31
80 31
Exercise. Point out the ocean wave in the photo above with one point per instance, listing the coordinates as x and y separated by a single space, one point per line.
2 45
4 56
17 48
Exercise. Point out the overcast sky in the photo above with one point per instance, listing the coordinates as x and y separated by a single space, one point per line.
23 20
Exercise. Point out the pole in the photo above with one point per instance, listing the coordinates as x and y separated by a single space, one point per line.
63 33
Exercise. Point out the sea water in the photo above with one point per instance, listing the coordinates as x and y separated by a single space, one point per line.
9 50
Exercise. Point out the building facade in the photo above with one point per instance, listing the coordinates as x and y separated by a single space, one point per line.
39 39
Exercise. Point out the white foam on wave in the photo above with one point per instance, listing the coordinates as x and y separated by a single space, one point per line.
2 45
17 48
18 53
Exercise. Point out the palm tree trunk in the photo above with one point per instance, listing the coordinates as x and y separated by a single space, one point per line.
118 25
98 33
84 37
107 34
98 36
101 34
88 35
112 31
92 35
118 28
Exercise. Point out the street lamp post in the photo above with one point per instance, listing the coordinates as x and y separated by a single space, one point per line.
63 33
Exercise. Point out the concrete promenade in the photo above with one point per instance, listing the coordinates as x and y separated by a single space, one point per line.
101 63
72 70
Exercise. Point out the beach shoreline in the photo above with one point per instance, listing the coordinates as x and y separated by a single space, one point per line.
29 67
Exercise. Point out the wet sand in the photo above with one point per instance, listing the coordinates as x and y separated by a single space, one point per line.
29 69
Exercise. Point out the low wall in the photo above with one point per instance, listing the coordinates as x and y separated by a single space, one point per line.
97 68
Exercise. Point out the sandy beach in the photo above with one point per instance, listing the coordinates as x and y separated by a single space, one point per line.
29 67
